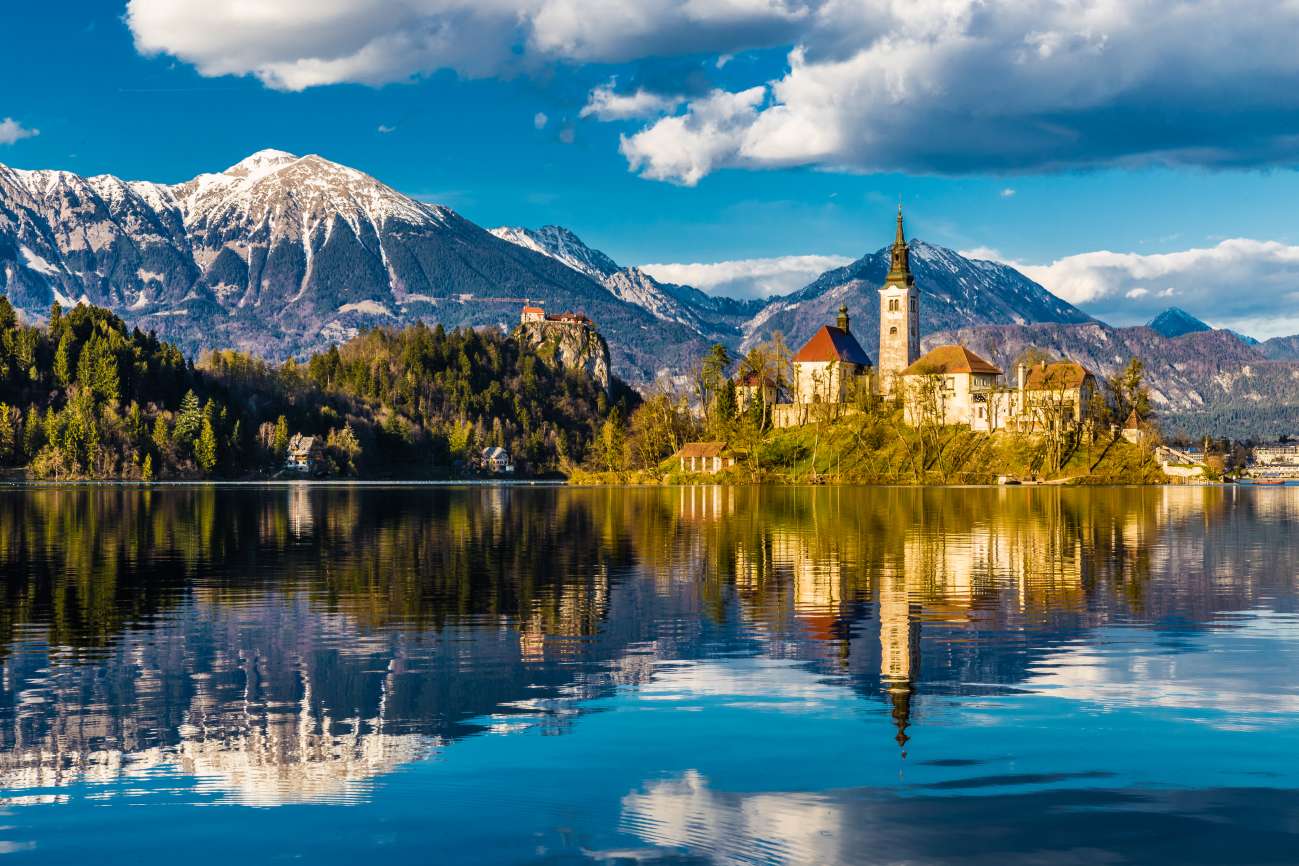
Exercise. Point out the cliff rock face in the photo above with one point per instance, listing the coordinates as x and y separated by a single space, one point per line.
570 346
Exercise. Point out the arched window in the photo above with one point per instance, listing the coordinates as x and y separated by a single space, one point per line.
893 332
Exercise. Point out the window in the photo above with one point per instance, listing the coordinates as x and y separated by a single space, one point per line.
950 383
893 305
893 332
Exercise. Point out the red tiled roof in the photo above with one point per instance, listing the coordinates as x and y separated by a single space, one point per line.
833 344
534 310
950 359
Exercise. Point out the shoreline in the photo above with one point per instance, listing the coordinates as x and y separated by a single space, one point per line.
595 485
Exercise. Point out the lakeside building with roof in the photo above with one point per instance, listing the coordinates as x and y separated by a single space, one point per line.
949 385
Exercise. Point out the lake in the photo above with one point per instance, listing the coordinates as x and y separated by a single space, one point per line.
675 675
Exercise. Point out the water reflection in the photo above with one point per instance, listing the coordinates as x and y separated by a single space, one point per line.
279 645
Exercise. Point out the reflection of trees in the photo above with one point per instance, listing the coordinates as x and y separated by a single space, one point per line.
299 640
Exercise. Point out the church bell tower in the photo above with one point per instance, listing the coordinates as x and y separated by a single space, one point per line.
899 315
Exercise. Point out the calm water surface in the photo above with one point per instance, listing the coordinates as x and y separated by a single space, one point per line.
689 675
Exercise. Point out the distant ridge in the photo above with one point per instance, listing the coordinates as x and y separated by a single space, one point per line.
1175 322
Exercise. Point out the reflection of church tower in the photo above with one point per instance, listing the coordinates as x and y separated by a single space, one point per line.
897 650
899 315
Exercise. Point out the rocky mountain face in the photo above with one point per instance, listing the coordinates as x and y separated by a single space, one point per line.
1201 383
956 292
280 255
1174 322
569 346
713 318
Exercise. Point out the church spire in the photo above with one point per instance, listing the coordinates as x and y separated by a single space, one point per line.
900 260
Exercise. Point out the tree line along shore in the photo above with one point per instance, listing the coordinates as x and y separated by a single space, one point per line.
83 396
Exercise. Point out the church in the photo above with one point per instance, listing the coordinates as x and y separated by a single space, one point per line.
949 385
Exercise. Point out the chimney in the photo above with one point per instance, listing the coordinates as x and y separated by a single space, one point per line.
843 319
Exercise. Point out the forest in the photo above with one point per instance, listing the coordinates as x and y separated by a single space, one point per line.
85 397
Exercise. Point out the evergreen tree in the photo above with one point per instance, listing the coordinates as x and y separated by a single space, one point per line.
33 433
63 360
146 470
205 451
8 434
189 421
280 441
161 436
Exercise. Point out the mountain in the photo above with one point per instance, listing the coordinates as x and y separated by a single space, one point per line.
714 318
280 255
1174 322
955 292
1201 383
1281 348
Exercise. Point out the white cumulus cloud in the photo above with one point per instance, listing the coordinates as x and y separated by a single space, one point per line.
12 131
932 86
606 103
963 86
296 44
1248 285
748 278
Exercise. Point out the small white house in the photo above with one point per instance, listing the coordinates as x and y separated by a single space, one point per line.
496 460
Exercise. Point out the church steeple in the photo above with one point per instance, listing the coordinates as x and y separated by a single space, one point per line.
899 314
900 262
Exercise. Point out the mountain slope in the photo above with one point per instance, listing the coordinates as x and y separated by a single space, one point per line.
955 292
281 254
711 317
1174 322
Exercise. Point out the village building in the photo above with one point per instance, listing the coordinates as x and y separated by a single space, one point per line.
1053 394
496 460
952 385
899 315
306 454
538 314
753 385
707 457
830 365
1133 430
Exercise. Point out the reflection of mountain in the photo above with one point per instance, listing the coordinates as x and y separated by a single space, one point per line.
285 644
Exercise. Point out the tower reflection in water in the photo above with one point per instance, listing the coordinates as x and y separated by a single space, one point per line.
295 645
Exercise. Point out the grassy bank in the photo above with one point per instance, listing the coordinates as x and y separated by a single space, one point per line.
880 449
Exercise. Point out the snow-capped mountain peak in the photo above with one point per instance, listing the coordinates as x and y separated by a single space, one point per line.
261 162
562 245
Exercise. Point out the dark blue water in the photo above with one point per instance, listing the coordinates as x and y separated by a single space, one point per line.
685 675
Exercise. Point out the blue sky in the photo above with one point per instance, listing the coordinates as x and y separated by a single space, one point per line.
733 129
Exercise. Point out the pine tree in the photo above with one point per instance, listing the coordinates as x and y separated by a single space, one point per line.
33 432
280 442
146 470
8 435
161 436
189 421
205 451
63 364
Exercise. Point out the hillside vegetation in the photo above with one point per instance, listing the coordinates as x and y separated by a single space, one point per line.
87 397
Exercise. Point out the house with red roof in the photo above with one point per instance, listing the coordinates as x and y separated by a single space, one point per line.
830 365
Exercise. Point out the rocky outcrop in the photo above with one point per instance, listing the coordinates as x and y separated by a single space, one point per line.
570 346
